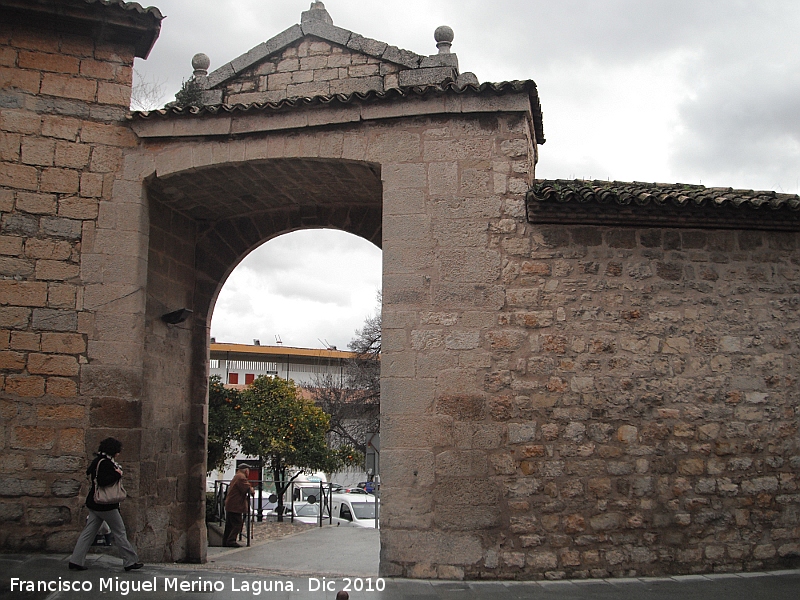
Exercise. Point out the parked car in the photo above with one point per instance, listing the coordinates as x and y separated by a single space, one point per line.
368 486
304 512
304 492
350 490
354 510
268 503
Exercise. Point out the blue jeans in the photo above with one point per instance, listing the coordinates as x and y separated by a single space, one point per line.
114 520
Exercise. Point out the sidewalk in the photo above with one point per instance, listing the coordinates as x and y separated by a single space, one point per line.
304 566
320 551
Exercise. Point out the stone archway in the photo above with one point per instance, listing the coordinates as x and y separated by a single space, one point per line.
613 365
202 224
395 182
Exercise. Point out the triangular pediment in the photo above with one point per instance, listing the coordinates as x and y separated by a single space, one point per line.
317 58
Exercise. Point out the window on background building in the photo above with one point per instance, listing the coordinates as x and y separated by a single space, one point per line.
249 378
233 378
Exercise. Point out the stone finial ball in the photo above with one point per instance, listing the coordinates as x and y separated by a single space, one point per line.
443 33
200 62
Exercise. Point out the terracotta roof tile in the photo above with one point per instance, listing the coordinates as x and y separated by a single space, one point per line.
660 204
399 93
108 20
135 6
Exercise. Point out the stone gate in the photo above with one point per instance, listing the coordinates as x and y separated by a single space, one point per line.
579 379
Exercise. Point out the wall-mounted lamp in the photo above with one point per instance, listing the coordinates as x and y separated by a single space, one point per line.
176 316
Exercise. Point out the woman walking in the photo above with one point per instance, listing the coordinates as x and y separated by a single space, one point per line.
104 471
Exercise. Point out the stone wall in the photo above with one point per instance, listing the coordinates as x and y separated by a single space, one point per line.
62 298
439 177
173 428
311 68
557 401
316 58
634 410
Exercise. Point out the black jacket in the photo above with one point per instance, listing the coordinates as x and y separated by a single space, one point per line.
106 475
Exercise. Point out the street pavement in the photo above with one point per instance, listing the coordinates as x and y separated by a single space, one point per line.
316 563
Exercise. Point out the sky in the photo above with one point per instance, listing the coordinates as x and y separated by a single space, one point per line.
679 91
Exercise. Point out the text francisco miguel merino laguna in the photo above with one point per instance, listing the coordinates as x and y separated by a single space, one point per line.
254 587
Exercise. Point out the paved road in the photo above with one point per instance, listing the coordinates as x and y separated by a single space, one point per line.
316 563
328 551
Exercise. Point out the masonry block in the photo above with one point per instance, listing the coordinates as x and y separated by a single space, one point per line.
417 431
113 93
62 387
48 364
33 438
56 270
38 151
63 343
13 361
109 135
61 412
71 440
113 412
447 548
48 249
61 295
46 319
23 177
65 86
23 340
23 293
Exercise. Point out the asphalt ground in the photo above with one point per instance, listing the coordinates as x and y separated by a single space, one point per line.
317 563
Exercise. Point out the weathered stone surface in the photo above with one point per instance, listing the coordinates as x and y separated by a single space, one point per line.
11 513
49 364
65 488
115 413
462 408
46 319
558 401
49 515
57 464
447 548
14 487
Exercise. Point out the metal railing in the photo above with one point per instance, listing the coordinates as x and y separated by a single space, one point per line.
220 491
261 503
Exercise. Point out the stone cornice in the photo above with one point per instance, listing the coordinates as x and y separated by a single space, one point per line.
291 113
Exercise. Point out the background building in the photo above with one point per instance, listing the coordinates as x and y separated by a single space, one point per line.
240 364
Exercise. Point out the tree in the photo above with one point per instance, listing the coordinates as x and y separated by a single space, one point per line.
353 403
353 413
146 93
364 373
190 94
224 414
284 431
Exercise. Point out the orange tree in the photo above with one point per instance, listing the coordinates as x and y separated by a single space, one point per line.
224 413
287 433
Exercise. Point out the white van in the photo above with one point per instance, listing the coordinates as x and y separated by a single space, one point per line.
353 510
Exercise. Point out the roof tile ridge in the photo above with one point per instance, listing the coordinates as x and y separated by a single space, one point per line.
242 62
641 192
322 30
327 31
153 10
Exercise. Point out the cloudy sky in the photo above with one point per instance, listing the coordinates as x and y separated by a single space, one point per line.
690 91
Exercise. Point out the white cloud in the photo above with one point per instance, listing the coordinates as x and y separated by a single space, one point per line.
304 287
664 90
